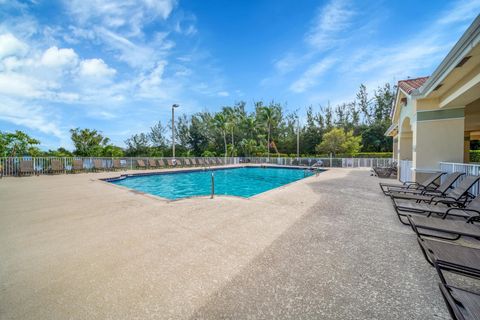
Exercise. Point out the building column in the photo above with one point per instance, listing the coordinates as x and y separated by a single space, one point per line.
395 148
439 137
466 147
405 146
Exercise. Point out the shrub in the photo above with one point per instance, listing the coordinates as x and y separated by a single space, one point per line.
474 155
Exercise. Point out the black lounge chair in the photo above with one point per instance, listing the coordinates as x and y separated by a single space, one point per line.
458 196
428 184
445 186
451 257
438 209
462 304
386 172
454 229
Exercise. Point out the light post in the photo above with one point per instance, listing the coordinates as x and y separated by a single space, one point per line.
173 129
298 138
298 134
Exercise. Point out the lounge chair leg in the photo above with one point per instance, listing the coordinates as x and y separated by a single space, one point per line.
398 213
440 273
427 257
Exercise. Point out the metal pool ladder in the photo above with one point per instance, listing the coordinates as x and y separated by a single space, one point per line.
213 186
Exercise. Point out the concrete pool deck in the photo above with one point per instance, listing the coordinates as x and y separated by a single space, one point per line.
326 247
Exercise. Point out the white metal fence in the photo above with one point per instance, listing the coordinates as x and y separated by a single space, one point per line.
15 166
324 162
468 169
406 173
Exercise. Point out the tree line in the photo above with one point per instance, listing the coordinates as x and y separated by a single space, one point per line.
348 128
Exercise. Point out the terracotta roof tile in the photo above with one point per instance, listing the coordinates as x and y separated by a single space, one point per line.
409 85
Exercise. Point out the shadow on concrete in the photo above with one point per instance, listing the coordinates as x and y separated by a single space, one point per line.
348 258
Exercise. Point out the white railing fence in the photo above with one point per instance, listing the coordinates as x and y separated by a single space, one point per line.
324 162
406 172
11 166
468 169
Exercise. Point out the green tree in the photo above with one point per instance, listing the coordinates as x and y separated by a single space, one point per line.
337 141
221 123
60 152
88 142
202 133
249 147
112 151
137 145
364 103
18 144
270 116
157 135
352 144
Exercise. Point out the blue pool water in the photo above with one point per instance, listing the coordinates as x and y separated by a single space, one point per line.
242 182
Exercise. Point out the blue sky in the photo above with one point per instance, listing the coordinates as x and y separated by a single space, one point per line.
118 66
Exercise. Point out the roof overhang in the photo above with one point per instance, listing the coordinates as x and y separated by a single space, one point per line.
392 130
467 42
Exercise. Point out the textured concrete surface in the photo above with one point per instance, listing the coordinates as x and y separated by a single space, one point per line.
327 247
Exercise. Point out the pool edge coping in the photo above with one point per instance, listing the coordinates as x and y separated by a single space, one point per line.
186 170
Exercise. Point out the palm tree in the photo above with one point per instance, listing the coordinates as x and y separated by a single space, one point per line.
249 126
248 146
231 118
269 116
220 122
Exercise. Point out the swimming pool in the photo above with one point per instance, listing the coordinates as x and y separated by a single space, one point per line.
243 182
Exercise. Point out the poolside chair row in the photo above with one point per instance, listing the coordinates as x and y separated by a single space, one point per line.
27 167
440 214
386 172
187 162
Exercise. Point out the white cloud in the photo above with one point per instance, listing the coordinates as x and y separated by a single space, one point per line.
11 46
96 68
331 20
287 63
20 85
29 115
129 15
152 84
136 55
223 94
57 58
461 12
310 77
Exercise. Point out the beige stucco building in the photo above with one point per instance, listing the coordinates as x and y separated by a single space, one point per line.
435 118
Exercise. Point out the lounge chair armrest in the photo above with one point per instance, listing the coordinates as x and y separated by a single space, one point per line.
432 193
411 184
460 209
436 200
473 219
